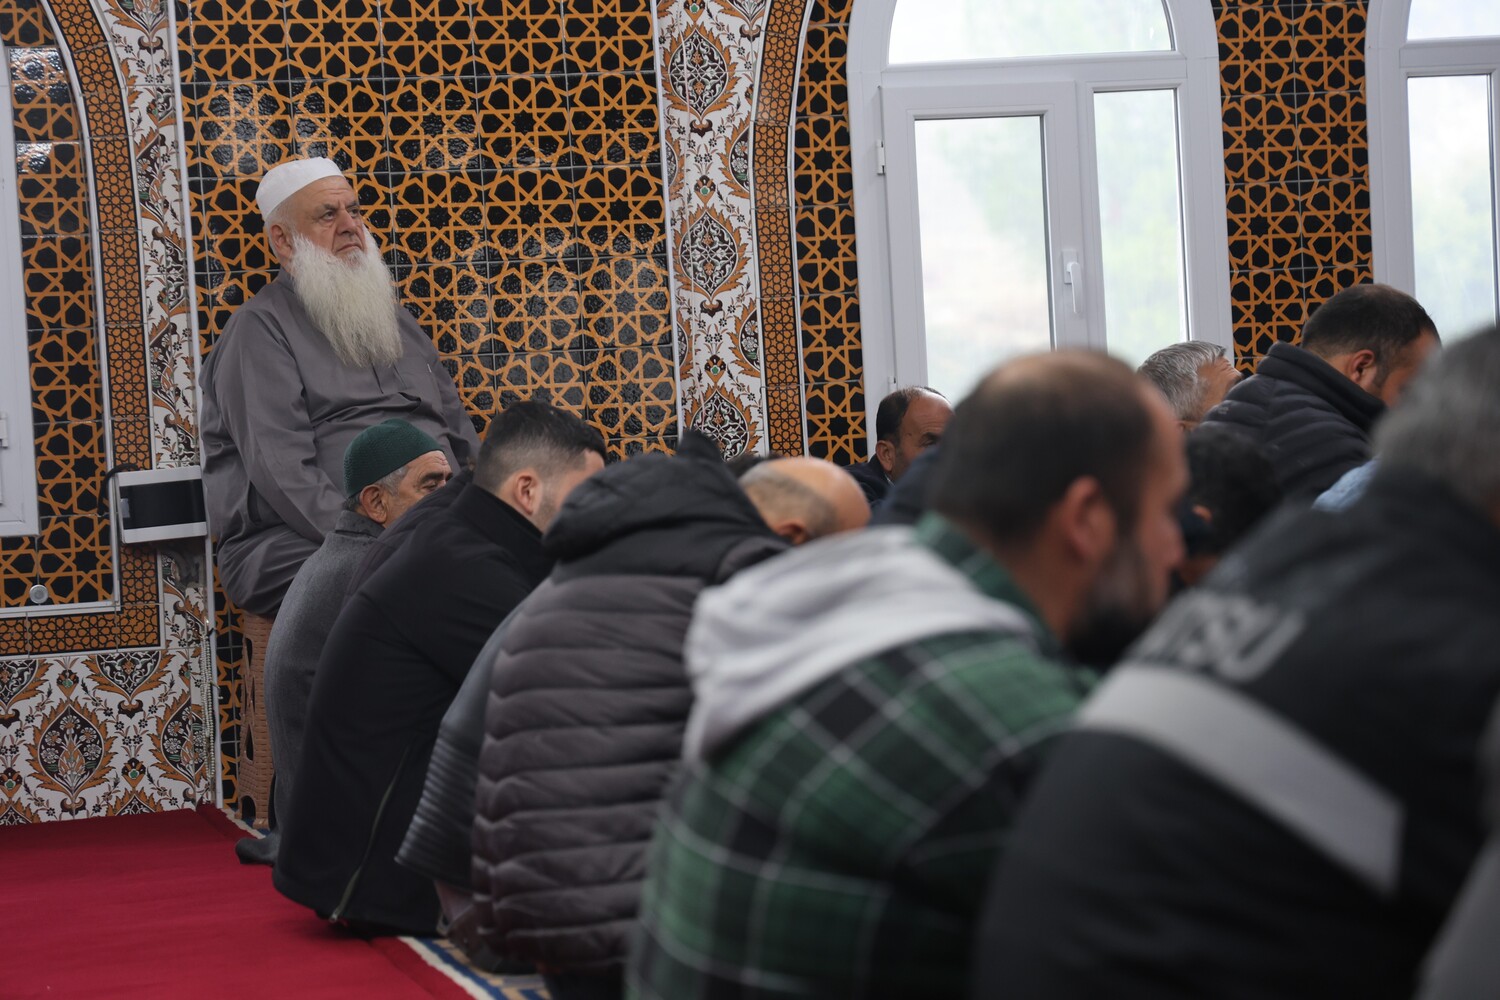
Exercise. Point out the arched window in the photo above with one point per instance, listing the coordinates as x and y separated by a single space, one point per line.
1034 173
1435 155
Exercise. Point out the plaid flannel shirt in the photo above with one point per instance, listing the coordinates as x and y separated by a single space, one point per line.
842 845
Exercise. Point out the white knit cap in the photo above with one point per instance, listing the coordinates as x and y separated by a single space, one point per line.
286 179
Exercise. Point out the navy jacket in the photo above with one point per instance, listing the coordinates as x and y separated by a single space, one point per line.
1312 420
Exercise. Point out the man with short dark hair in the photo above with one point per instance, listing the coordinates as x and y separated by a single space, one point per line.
870 708
907 423
315 357
387 469
1231 488
1313 407
1275 795
1194 376
397 655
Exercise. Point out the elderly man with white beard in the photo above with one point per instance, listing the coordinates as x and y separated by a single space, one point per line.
316 356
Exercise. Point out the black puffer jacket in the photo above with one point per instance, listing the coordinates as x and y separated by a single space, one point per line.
583 731
1312 420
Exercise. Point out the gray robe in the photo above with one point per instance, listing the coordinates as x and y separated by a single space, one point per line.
279 409
312 605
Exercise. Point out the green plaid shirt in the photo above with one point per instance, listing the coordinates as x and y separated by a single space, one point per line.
841 847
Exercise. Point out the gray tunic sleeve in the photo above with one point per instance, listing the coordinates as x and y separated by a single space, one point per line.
259 390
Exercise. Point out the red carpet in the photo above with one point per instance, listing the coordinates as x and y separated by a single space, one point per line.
158 906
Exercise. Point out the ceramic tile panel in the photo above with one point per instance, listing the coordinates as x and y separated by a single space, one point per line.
102 712
1296 162
56 256
827 270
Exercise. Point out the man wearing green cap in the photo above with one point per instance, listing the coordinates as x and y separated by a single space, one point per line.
387 469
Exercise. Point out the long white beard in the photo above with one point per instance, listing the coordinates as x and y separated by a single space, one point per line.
353 302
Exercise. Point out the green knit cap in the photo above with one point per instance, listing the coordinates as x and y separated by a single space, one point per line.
380 450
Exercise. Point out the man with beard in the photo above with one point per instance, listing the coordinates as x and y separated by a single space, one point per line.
1275 795
318 355
871 707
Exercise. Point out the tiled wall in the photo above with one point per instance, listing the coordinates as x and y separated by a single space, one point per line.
103 686
511 156
72 555
827 272
1296 161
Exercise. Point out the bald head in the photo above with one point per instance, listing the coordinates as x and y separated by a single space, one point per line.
806 498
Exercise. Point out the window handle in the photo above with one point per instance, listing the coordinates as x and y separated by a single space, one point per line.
1073 278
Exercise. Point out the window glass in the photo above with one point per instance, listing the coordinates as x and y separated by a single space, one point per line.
1140 221
1453 207
1451 19
984 245
945 30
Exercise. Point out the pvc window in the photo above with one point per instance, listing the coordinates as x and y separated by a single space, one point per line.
1033 174
1435 156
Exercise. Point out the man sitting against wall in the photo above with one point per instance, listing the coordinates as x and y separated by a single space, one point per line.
387 469
397 655
907 423
315 357
1313 407
872 707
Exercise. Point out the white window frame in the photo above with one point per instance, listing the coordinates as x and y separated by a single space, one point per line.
893 358
1390 62
18 506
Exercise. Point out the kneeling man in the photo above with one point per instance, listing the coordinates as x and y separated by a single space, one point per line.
396 657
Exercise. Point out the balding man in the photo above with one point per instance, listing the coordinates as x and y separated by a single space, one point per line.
871 709
907 423
801 498
588 697
318 355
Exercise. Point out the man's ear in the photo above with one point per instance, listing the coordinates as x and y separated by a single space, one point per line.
793 530
523 491
280 238
372 501
885 454
1086 521
1361 368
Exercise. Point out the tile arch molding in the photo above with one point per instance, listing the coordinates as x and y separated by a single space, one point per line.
729 72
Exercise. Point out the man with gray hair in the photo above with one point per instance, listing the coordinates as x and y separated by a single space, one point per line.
1275 794
1194 375
318 355
387 469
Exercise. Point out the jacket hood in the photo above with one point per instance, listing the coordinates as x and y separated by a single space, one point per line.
652 493
781 627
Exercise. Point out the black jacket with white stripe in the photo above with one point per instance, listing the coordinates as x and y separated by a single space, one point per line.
1275 794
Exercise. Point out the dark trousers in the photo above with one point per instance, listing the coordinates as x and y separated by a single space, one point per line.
575 986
